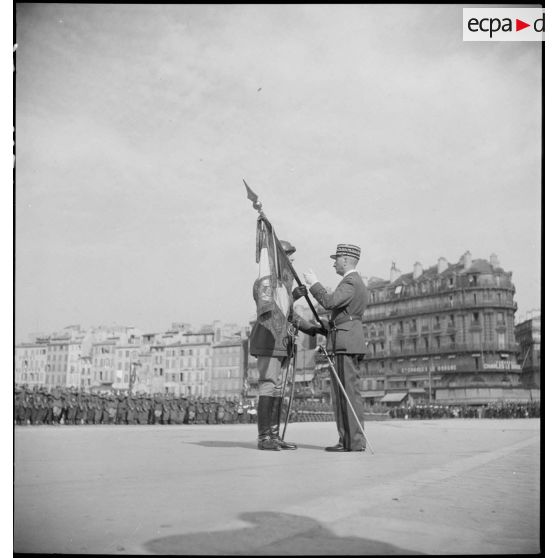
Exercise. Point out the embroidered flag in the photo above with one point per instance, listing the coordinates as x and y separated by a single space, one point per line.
275 277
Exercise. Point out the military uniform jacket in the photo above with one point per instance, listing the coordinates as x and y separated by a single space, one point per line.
347 304
269 336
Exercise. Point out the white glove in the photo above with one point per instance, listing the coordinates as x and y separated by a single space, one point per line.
310 277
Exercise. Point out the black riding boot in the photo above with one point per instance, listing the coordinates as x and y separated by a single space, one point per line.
275 422
265 442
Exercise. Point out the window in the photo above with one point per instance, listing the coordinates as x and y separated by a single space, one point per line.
501 340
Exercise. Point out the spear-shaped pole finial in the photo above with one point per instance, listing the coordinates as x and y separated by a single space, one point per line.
253 197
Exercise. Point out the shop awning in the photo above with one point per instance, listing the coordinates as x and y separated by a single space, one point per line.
393 397
372 393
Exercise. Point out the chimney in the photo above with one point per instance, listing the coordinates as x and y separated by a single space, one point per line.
467 260
417 270
442 265
494 262
394 273
217 330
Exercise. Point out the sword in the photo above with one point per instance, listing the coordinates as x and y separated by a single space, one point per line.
291 356
332 367
291 396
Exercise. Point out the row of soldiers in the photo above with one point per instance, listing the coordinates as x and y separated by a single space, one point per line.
70 406
493 410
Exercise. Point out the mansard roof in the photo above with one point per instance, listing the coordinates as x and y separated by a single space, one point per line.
477 266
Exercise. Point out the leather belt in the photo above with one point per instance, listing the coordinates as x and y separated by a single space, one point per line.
345 319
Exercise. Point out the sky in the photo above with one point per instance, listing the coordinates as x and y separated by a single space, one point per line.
375 125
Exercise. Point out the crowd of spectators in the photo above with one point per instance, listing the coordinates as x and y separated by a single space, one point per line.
72 406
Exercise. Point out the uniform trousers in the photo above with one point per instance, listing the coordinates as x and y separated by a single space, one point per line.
350 434
271 371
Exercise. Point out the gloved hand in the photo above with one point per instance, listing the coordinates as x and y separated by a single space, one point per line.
323 328
299 292
317 328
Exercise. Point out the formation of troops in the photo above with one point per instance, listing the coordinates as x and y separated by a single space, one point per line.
71 406
506 410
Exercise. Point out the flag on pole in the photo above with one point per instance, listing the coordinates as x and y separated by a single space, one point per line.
275 278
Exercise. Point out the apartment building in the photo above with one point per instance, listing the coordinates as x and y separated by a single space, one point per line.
528 335
227 370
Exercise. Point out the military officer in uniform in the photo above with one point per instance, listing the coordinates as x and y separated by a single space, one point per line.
270 342
346 342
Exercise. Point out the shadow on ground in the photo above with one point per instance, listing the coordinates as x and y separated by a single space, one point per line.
272 533
247 445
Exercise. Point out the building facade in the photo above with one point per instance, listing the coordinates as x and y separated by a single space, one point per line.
30 361
528 335
227 370
445 333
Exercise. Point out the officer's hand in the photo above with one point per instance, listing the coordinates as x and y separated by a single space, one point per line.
319 328
310 277
299 292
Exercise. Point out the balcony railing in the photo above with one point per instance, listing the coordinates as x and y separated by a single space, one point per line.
434 306
447 349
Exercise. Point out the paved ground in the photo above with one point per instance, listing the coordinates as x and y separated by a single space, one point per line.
436 487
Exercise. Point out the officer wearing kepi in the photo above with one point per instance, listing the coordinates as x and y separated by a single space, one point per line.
346 342
270 343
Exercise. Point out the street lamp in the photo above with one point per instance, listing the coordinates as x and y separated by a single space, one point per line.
429 385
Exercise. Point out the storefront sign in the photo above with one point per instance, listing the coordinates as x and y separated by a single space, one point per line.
501 365
438 368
